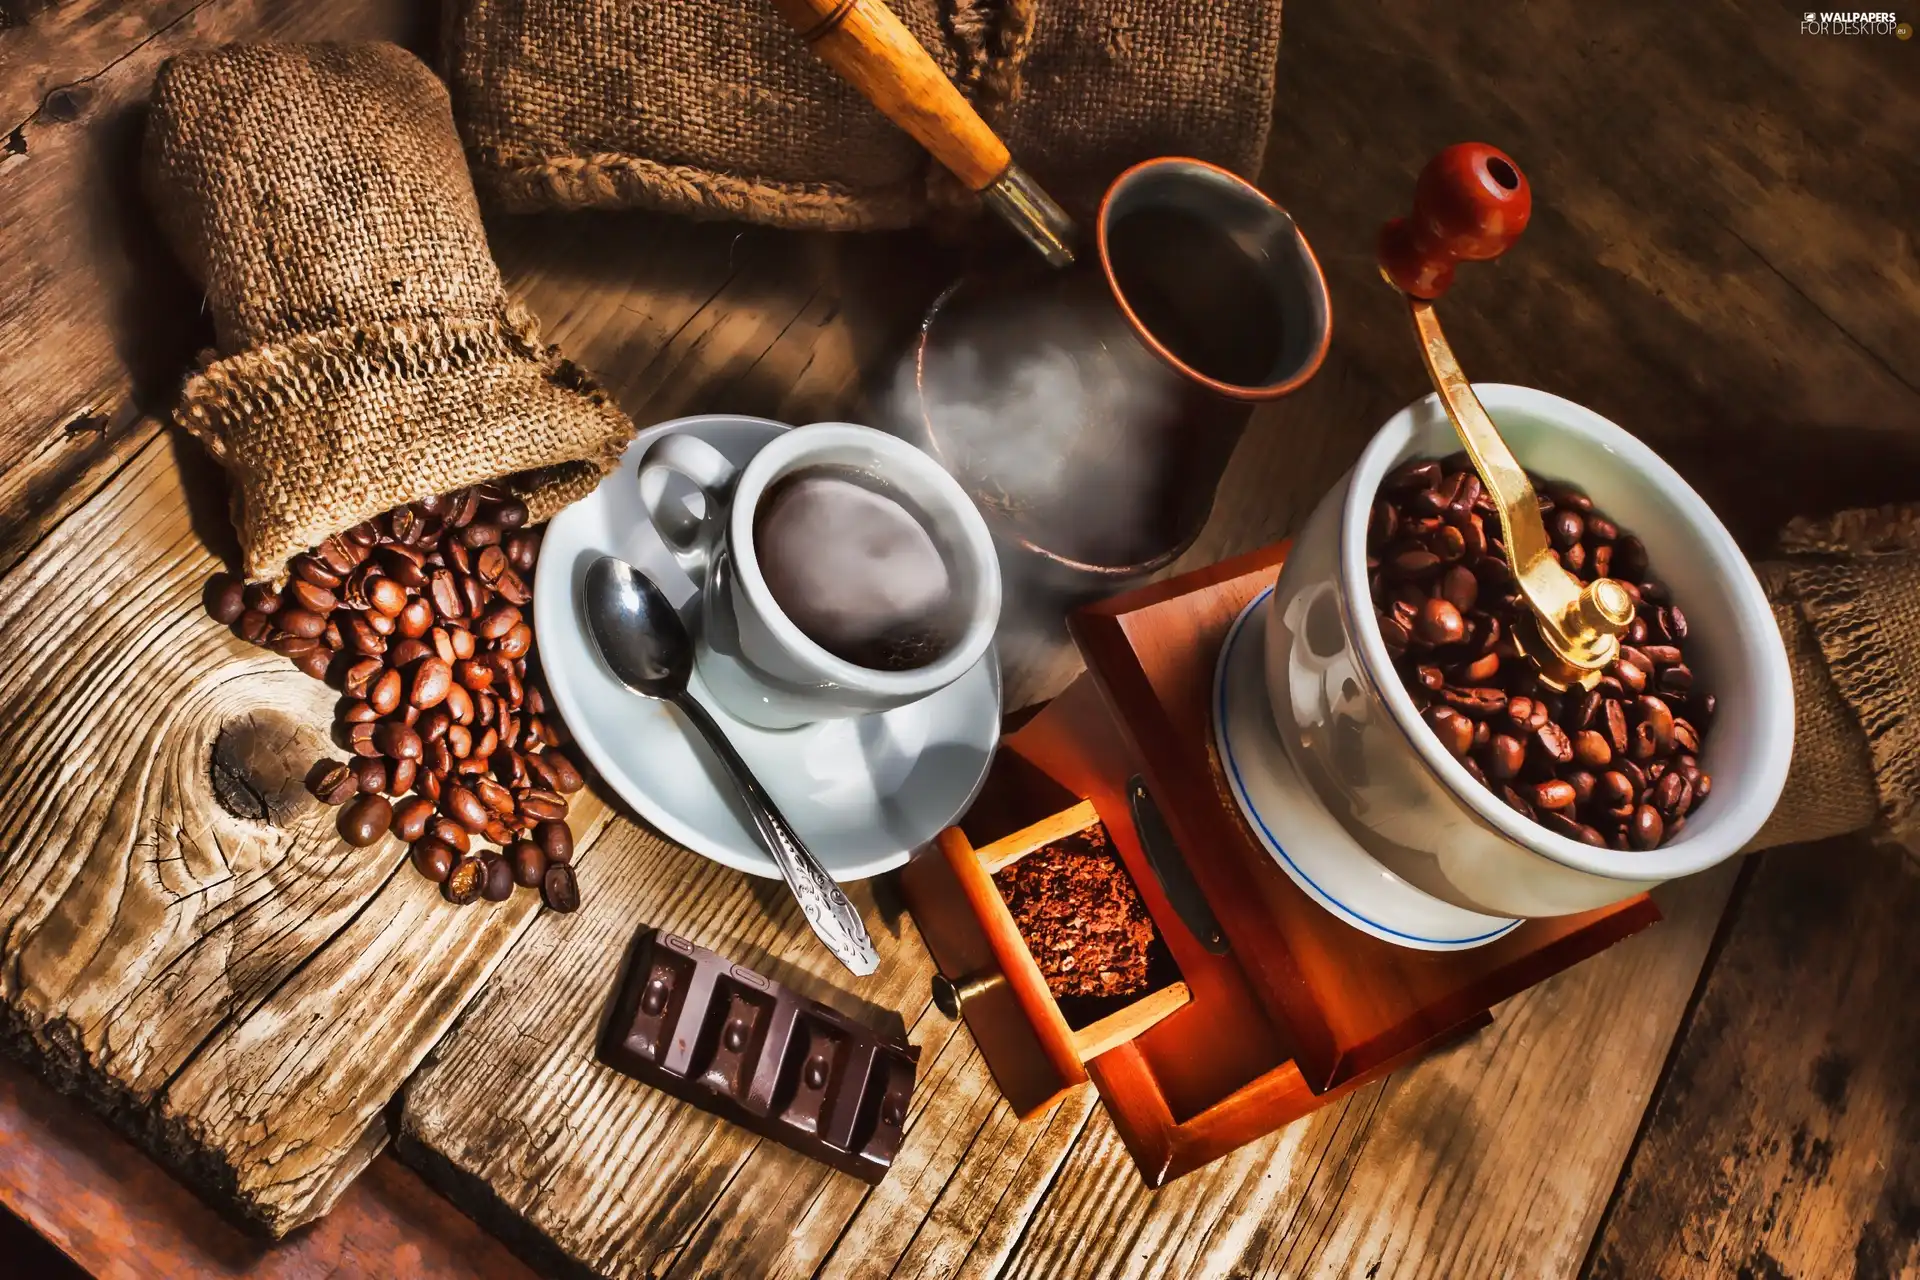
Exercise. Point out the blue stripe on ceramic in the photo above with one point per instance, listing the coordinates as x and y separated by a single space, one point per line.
1271 841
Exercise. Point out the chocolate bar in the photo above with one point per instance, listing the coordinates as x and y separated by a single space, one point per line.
731 1041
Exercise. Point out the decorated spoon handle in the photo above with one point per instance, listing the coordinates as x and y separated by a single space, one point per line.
835 920
1471 202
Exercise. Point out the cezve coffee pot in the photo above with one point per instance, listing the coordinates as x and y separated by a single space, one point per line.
1197 297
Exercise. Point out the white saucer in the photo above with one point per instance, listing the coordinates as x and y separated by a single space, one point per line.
1290 822
863 793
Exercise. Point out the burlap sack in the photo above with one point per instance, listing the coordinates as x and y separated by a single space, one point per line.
368 355
1846 594
715 107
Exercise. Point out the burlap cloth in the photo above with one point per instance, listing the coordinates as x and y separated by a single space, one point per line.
715 107
368 355
1846 594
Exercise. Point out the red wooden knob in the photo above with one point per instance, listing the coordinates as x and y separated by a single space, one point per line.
1470 203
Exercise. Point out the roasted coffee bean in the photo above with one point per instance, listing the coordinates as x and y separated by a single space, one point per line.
520 639
1553 740
495 796
292 646
357 711
432 724
1454 730
1655 713
1646 829
406 652
1616 727
461 641
359 676
1591 751
450 833
415 618
546 806
1481 670
499 881
1583 784
472 675
314 599
1505 756
226 598
481 533
444 590
1517 803
362 638
363 819
370 772
459 740
383 695
432 677
397 740
401 775
465 882
433 859
485 744
1675 680
1686 739
358 738
1565 528
559 890
1672 795
566 777
522 550
1673 622
497 622
1479 703
1614 791
529 863
1555 795
459 703
555 840
296 621
411 816
333 782
464 807
263 597
1438 622
310 568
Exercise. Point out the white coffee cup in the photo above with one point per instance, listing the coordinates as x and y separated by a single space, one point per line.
752 657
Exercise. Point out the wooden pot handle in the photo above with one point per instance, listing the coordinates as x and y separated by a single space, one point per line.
875 53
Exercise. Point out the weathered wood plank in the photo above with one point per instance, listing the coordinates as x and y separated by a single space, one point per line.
1786 1138
520 1124
98 325
1494 1157
86 1188
187 941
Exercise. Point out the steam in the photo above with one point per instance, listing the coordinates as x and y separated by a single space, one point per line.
1054 420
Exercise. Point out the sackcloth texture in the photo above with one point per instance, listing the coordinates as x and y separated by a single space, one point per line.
1846 593
368 354
716 108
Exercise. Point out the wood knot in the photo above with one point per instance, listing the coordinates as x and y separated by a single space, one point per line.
259 764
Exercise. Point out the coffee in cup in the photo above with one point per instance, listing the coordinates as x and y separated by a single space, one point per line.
856 569
843 571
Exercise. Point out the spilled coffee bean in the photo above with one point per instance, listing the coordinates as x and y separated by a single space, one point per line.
1616 766
420 619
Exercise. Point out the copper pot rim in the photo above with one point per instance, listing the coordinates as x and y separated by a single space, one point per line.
1231 390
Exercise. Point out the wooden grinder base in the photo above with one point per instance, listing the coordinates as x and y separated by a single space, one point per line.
1301 1008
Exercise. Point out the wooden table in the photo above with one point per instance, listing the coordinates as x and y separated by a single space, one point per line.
1722 259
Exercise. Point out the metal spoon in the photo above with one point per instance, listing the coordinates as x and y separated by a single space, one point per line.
647 648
